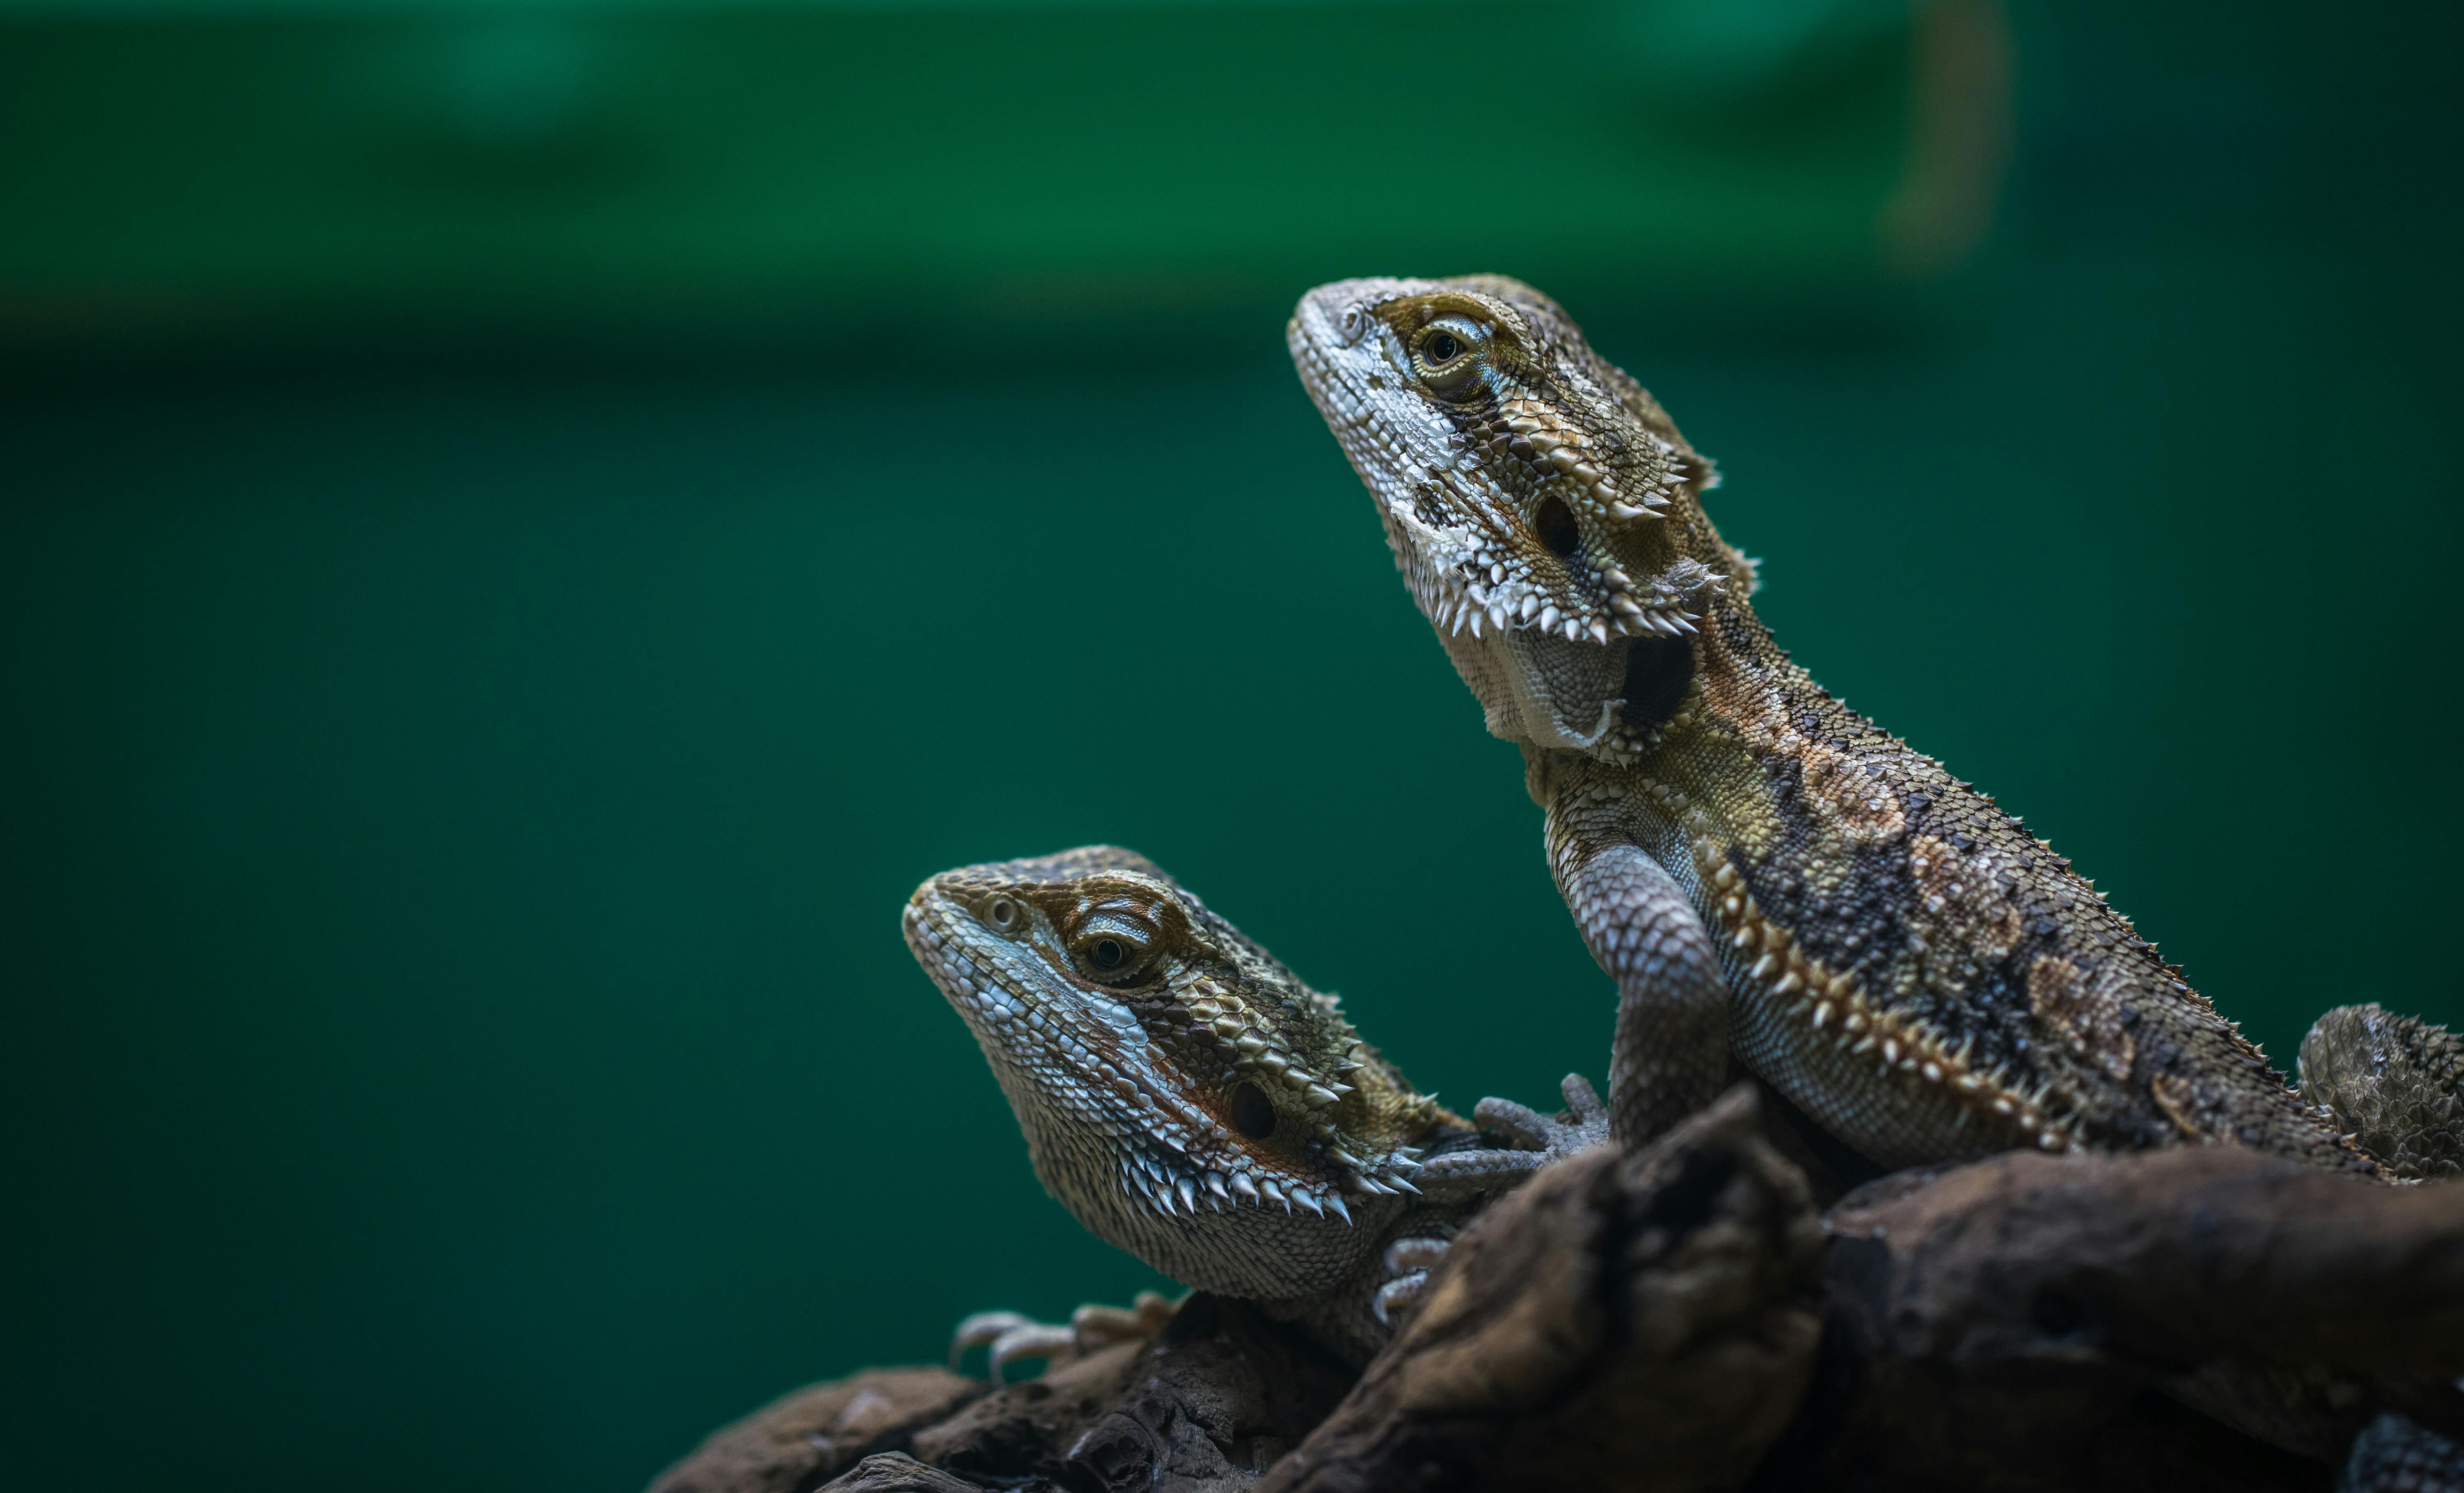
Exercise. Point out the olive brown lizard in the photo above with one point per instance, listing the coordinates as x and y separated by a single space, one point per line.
1762 870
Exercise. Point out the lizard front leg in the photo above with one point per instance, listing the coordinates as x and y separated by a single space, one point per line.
1670 1054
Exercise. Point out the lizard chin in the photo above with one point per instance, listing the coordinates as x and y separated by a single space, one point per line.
1539 688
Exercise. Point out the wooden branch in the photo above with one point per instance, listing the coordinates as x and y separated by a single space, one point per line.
2039 1322
1677 1319
2167 1257
1642 1322
804 1438
2205 1318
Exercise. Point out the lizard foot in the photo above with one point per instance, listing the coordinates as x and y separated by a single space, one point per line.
1408 1263
1537 1139
1009 1337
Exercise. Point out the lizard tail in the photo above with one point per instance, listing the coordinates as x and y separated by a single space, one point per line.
2395 1083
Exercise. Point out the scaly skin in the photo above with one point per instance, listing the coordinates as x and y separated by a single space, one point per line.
2395 1081
1190 1101
1762 870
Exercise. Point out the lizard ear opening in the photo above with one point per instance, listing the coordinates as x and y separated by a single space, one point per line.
1557 527
1253 1114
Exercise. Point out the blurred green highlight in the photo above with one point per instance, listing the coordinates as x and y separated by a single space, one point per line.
762 169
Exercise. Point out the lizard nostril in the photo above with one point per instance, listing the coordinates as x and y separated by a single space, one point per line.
1253 1114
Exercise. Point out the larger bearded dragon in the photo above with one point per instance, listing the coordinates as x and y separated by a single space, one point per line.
1762 870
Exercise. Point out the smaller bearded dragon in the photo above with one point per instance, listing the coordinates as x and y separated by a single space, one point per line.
1190 1101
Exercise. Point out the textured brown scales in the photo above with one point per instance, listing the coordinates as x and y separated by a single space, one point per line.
1900 917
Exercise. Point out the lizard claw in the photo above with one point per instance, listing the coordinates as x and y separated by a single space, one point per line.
1408 1263
1009 1337
1397 1296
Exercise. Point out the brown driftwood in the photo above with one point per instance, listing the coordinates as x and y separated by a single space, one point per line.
1641 1322
1204 1408
1208 1406
2167 1257
1681 1318
802 1440
2030 1322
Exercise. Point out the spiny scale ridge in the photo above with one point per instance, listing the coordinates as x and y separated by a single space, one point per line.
1834 1002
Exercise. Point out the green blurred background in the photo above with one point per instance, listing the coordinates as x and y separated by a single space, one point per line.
529 529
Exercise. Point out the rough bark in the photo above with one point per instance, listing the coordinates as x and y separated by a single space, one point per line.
1683 1318
1641 1322
802 1440
2031 1322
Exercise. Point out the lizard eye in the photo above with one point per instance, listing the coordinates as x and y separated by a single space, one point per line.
1003 914
1117 955
1445 355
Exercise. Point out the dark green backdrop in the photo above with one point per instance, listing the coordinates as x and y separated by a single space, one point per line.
457 1031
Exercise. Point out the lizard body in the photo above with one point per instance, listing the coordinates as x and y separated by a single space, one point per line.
1763 870
1192 1102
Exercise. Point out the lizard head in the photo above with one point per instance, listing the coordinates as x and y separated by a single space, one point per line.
1542 506
1183 1094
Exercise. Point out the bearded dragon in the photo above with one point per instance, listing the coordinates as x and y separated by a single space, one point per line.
1763 871
1190 1101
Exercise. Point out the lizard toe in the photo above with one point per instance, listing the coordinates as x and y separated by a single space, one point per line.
1527 1128
1011 1336
1035 1340
1459 1173
1584 1101
1396 1298
979 1329
1149 1313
